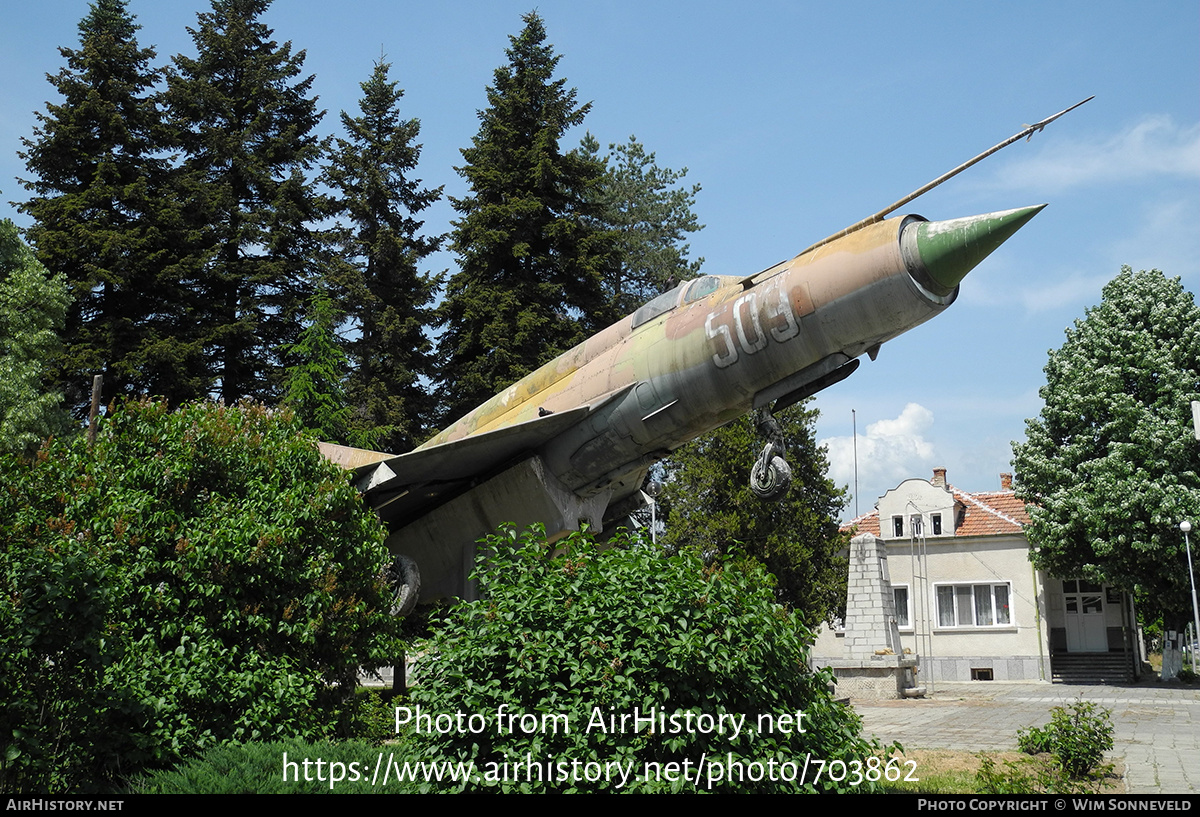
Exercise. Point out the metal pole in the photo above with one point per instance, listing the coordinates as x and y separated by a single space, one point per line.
1186 526
854 426
918 554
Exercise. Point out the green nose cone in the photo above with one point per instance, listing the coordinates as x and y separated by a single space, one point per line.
948 250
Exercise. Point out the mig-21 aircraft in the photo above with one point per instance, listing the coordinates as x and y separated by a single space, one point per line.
571 444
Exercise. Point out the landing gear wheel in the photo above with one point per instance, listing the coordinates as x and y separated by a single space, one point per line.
402 574
771 476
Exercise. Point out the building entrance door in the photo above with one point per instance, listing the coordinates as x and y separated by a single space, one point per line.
1084 604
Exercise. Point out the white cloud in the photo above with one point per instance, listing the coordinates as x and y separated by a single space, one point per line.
889 451
1154 147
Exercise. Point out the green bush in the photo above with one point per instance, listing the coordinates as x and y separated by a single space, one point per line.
1035 740
259 768
561 640
199 576
1078 736
1013 780
370 715
277 767
1031 777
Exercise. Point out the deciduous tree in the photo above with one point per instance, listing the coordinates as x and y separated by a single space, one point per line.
576 639
1110 466
532 256
197 577
32 308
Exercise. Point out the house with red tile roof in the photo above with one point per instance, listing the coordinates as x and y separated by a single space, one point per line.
970 604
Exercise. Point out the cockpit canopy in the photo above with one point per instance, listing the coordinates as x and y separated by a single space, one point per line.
696 289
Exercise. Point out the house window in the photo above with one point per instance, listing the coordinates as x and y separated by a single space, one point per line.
936 521
897 525
973 605
900 594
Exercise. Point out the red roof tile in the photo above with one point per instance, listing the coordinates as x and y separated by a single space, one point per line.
987 513
867 523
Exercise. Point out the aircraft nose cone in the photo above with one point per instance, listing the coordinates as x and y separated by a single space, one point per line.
948 250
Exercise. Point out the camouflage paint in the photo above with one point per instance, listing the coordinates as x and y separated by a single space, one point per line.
701 363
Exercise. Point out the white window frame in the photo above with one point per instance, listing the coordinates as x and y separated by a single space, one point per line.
968 595
904 628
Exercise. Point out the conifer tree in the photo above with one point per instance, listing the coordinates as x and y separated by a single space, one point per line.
103 220
245 126
651 216
708 505
315 387
388 299
531 255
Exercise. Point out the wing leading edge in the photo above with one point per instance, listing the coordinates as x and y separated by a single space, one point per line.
402 488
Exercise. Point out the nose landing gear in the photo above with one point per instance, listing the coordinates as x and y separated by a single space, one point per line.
770 476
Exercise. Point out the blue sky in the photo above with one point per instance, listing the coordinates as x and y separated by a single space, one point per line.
798 119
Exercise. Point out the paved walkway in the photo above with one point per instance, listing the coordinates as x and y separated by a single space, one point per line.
1156 726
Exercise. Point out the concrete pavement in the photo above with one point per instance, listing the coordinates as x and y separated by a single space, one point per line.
1156 726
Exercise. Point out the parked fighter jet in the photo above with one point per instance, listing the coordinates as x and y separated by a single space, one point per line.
571 443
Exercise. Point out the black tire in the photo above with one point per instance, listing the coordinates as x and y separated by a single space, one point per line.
770 481
404 577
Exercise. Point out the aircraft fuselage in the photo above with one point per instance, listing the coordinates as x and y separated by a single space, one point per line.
714 348
567 444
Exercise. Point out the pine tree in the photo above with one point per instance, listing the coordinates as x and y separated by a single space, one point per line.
651 215
315 387
531 254
245 127
708 505
103 219
388 300
32 308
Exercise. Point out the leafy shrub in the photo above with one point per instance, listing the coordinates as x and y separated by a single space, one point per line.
989 780
592 634
258 768
199 576
1033 778
1035 740
371 715
1078 736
